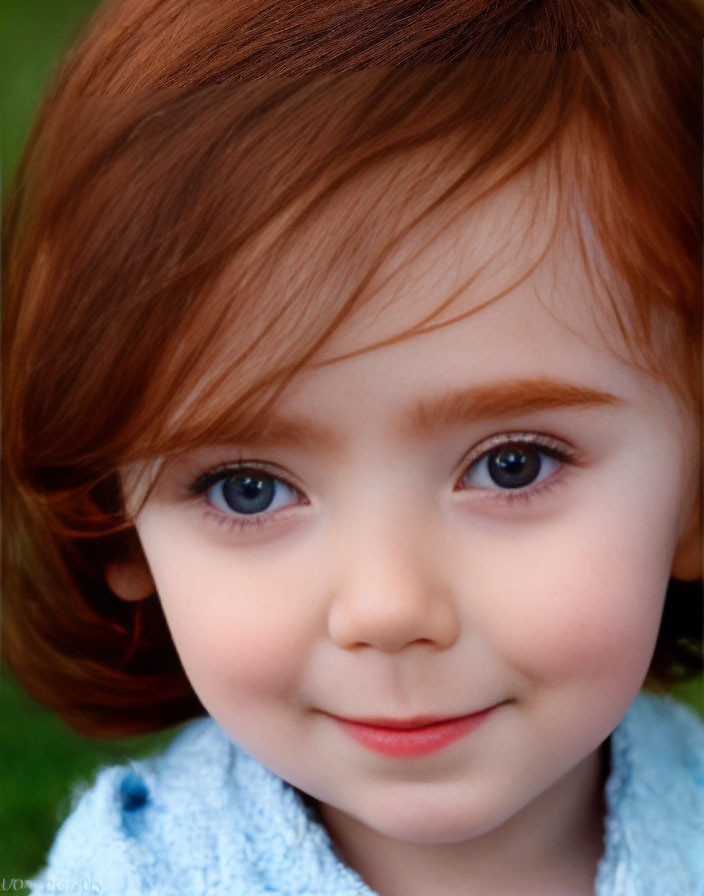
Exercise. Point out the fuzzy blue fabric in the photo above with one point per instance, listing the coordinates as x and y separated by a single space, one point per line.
206 818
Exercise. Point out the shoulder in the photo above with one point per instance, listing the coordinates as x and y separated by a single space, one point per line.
655 802
203 817
659 747
115 837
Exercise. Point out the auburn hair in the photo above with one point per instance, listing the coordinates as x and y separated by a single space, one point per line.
173 208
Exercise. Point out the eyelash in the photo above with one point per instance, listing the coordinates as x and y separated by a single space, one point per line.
544 444
203 483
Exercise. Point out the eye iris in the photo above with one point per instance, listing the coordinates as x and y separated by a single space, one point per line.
514 467
247 493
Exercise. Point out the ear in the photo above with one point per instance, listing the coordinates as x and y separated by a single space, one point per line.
130 580
689 556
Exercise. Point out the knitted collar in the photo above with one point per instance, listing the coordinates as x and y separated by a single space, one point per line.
256 835
654 827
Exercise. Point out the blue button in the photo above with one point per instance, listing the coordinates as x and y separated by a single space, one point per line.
133 792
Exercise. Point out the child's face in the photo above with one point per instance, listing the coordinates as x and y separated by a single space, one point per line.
403 562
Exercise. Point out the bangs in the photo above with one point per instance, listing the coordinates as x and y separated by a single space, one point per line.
371 208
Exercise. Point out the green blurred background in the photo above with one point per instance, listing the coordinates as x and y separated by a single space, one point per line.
33 34
40 759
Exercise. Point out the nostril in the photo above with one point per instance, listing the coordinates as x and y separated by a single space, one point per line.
390 601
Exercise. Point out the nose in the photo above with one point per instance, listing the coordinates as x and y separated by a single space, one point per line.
392 592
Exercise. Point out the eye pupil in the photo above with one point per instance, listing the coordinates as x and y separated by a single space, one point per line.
246 493
514 467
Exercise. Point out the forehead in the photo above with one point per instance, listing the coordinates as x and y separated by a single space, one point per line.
495 311
519 246
505 359
520 342
517 268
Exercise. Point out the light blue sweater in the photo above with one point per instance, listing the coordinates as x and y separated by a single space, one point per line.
206 818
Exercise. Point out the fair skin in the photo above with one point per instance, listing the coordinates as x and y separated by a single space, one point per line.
392 572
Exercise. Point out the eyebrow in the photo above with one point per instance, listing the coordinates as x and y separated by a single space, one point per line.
455 407
503 399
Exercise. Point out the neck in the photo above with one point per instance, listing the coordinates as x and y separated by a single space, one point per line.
551 845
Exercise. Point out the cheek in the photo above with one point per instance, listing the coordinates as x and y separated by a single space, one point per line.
240 628
585 604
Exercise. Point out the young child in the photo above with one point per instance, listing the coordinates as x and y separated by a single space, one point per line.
353 410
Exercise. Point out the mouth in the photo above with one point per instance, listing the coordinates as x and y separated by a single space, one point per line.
407 738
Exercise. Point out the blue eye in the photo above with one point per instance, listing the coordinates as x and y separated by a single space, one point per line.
513 465
247 492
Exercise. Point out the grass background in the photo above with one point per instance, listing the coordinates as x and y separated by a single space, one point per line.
33 35
40 758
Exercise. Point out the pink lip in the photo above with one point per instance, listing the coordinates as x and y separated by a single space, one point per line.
419 736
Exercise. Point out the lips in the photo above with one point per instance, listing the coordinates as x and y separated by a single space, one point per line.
407 738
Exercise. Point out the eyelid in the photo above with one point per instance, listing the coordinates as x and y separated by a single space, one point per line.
550 445
241 522
216 474
557 447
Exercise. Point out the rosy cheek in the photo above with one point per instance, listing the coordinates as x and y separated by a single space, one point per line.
587 607
235 630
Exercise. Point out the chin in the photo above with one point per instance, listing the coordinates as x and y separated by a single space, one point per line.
431 824
433 832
